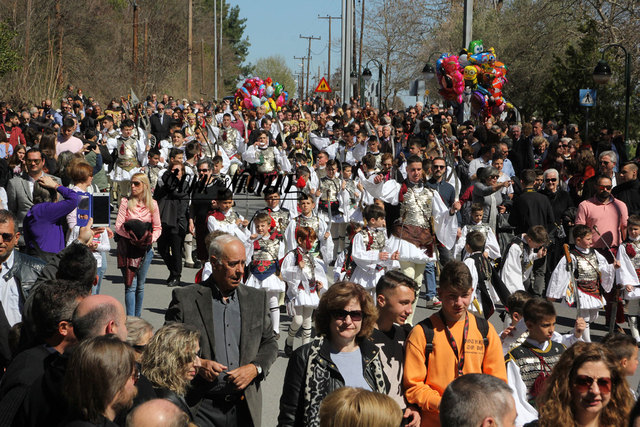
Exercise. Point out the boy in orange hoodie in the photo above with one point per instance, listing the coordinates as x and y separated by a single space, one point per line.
453 342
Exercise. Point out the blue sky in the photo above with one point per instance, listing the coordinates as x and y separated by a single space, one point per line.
274 27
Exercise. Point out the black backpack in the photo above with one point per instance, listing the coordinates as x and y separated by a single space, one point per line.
427 328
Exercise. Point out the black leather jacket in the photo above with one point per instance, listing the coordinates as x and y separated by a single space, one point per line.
25 270
292 403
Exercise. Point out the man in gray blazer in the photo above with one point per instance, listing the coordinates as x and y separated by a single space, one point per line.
20 188
237 342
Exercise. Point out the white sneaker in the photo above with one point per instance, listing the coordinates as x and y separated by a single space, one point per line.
434 302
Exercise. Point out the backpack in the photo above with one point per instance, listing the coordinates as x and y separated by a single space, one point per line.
427 328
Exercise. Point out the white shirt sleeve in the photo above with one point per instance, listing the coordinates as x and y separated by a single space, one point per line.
511 273
526 412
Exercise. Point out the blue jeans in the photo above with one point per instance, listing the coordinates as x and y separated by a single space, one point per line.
133 294
103 269
429 279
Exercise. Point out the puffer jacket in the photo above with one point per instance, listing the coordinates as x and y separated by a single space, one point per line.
295 408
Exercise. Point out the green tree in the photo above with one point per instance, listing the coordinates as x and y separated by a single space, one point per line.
573 71
9 57
276 68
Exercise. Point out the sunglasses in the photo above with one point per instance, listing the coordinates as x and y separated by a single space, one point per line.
604 187
439 167
356 315
203 170
603 162
7 237
135 183
583 383
551 180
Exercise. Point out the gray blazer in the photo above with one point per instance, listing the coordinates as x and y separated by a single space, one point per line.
20 196
193 305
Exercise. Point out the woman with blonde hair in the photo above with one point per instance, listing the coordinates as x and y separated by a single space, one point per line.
356 407
170 361
138 227
586 388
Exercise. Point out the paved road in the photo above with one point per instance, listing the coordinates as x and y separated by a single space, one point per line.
158 295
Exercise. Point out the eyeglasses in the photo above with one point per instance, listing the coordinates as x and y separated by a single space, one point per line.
493 177
564 145
605 187
604 162
135 183
551 180
583 383
203 170
7 237
356 315
439 166
34 161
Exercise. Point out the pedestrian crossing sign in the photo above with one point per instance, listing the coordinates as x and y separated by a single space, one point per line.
323 86
587 97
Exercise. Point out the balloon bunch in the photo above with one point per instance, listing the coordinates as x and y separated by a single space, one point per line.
255 92
477 70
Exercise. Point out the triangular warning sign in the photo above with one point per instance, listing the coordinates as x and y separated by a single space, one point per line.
323 86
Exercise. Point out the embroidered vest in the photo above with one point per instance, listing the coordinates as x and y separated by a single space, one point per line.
526 357
127 154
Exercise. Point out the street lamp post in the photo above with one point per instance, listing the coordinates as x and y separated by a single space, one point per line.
602 75
366 75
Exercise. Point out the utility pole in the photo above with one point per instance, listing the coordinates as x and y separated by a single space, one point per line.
145 58
60 30
202 66
189 49
220 41
308 56
360 91
215 50
347 41
467 23
135 43
303 58
329 49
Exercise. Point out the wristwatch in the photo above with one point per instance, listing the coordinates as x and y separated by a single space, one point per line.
258 368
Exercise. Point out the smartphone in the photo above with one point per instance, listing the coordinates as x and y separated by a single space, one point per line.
83 213
101 210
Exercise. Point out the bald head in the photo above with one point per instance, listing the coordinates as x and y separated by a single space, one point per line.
157 413
99 315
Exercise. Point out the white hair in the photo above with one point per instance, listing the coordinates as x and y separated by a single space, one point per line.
612 155
216 248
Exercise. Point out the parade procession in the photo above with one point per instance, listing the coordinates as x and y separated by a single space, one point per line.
440 228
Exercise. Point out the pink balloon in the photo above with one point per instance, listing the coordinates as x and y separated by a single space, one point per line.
280 100
254 91
246 103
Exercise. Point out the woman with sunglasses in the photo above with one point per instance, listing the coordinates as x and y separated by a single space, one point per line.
586 388
170 361
138 227
340 356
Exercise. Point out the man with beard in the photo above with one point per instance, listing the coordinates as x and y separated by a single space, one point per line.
609 215
100 381
628 189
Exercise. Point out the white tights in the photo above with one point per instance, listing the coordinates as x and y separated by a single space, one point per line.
274 309
301 318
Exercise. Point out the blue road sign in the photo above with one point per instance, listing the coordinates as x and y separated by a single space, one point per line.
587 97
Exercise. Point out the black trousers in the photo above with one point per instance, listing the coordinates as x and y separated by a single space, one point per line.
222 414
170 248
